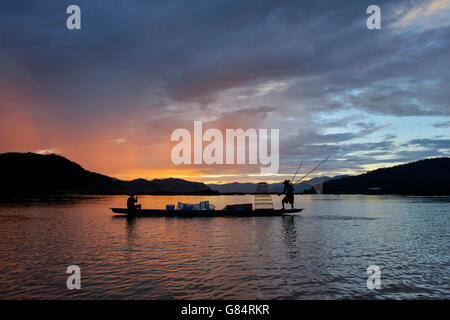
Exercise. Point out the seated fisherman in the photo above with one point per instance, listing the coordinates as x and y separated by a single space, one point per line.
132 203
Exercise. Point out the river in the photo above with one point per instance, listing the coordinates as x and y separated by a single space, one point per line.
322 253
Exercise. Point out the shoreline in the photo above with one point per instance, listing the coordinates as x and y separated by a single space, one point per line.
76 196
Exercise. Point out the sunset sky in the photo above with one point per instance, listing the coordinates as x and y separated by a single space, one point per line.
108 96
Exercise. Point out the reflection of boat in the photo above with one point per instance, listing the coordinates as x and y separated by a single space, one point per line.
203 213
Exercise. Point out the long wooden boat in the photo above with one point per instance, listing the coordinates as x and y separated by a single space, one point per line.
203 213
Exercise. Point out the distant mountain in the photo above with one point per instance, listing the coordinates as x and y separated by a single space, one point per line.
424 177
24 174
30 174
236 187
169 185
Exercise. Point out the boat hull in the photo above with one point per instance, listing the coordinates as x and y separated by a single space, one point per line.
203 213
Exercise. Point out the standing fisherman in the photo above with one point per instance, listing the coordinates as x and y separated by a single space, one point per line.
289 191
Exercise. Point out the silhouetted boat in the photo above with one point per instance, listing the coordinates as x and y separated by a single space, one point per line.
203 213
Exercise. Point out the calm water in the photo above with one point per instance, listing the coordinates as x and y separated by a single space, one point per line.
322 253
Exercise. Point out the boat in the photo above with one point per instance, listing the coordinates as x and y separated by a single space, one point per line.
204 213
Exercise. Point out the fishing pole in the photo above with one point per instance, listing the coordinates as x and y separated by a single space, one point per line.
296 172
312 170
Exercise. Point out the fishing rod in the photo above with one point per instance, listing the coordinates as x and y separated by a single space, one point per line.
296 172
312 170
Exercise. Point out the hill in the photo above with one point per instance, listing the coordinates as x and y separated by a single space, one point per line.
36 174
237 187
424 177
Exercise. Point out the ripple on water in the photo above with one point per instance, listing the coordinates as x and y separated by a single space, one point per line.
321 254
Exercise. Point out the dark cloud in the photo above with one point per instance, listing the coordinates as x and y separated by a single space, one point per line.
443 124
193 50
431 143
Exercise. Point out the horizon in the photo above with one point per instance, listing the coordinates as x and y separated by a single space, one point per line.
109 95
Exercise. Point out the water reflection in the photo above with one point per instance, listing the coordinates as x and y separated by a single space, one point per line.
130 228
323 253
289 231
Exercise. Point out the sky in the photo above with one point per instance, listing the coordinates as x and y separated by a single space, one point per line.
109 96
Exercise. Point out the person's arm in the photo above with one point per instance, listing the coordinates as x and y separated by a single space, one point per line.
284 190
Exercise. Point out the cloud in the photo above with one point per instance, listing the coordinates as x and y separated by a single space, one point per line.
443 124
431 143
48 151
118 140
140 69
423 14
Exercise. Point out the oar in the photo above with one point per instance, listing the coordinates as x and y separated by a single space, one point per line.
296 172
312 170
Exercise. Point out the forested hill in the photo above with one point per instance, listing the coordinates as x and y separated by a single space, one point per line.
36 174
424 177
